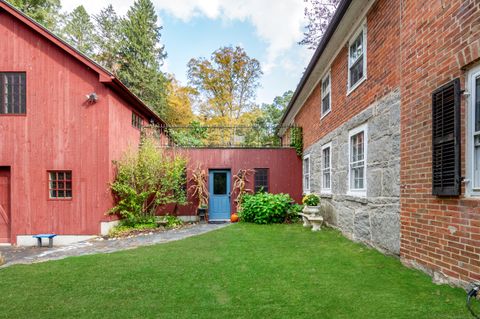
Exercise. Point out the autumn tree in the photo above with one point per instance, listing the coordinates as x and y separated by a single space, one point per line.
179 103
141 55
227 82
107 41
318 13
45 12
79 30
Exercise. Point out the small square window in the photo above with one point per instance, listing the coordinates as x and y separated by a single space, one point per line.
137 121
12 93
60 184
261 180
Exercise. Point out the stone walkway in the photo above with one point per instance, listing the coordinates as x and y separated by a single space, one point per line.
27 255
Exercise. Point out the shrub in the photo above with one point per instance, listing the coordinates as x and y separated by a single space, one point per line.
265 208
311 200
145 180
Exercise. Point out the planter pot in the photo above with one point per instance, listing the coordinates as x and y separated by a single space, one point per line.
311 210
202 214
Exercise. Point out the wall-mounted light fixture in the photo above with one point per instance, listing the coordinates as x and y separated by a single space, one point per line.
92 97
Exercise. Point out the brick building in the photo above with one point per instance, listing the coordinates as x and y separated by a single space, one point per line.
390 141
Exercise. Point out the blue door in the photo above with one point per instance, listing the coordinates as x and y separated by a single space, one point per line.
219 189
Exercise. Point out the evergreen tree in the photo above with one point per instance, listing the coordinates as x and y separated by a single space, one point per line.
107 26
79 30
141 55
45 12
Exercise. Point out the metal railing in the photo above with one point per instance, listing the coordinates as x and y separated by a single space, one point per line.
219 136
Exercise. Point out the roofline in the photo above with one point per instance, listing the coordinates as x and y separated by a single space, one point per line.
332 27
105 76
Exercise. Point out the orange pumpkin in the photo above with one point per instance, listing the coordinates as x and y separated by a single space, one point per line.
234 218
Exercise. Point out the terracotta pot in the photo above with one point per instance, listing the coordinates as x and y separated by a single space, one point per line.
234 218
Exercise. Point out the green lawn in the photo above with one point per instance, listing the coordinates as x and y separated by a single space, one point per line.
242 271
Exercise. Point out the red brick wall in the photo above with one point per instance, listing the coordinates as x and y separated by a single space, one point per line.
438 40
383 75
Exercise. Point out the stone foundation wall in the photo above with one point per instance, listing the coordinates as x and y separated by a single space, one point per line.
374 219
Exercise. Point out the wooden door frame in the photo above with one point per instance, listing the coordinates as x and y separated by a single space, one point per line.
9 209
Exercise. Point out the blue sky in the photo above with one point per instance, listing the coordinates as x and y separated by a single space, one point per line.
268 31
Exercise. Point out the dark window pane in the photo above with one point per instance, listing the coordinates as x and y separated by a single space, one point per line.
220 183
261 180
68 175
356 72
53 194
326 103
68 194
61 193
12 93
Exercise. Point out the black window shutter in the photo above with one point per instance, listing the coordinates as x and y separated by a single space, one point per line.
446 140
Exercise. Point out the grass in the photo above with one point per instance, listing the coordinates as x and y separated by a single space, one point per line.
242 271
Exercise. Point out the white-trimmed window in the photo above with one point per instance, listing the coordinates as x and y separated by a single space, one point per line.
357 166
357 58
327 168
306 174
473 133
326 94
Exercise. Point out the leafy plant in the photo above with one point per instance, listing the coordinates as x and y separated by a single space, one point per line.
145 180
265 208
173 221
199 187
296 139
311 200
240 181
292 213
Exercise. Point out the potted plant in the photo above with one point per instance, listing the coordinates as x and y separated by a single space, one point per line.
199 190
311 202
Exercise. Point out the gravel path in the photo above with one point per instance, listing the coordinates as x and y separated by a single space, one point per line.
27 255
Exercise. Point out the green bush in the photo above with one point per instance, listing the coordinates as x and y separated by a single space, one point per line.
147 179
266 208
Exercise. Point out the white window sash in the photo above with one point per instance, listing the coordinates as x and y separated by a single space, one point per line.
361 30
306 174
325 169
472 185
358 164
326 92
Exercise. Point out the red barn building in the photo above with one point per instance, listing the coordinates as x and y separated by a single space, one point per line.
63 119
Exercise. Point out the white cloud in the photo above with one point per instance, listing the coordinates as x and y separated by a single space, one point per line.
278 23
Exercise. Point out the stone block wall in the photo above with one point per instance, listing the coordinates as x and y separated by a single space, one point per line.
374 219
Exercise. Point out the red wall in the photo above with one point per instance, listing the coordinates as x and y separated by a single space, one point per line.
285 170
59 132
440 43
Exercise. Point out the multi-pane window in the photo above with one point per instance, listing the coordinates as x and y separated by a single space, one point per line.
137 121
306 174
60 184
327 168
357 160
326 96
473 138
12 93
261 180
357 58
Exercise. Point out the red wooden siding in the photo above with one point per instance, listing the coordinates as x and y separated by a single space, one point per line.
285 170
60 131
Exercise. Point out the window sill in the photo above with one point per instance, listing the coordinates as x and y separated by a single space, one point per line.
14 115
359 193
326 195
353 88
326 113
